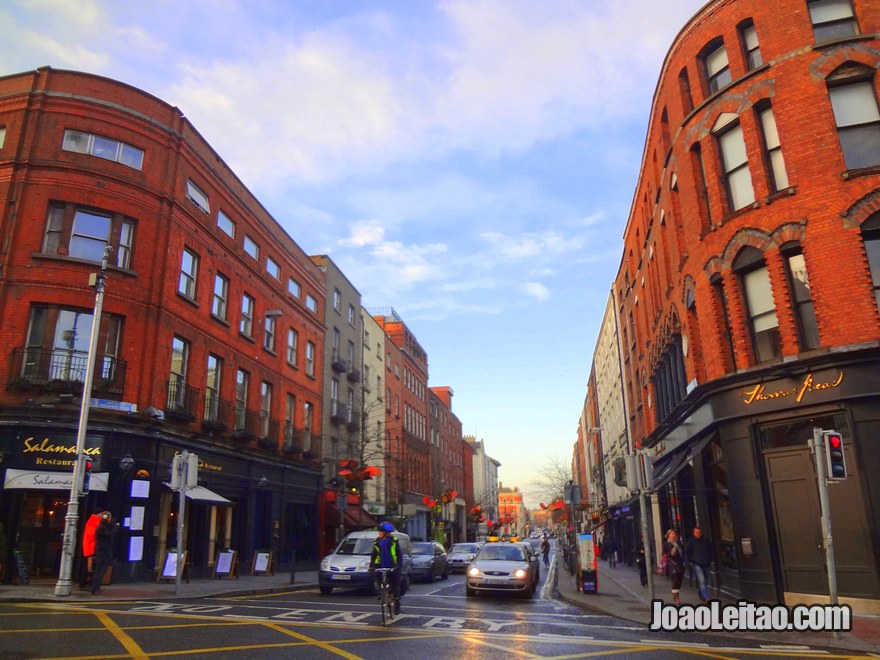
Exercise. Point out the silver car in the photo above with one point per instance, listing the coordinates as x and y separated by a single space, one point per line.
460 555
501 567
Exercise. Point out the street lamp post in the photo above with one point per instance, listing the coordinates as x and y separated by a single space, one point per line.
68 548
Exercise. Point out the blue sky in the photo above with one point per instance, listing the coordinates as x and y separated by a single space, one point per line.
469 163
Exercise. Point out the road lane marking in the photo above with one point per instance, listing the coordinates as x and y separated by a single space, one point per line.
331 648
122 637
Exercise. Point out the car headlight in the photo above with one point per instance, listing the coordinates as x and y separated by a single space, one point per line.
471 557
325 564
473 571
364 565
520 573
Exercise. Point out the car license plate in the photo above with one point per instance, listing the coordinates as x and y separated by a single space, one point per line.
341 577
496 581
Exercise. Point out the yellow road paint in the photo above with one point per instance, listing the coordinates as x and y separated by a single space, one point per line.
122 637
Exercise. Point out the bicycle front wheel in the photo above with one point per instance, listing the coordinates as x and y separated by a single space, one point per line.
387 606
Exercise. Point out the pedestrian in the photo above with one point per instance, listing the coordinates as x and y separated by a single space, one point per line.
675 564
643 567
545 550
104 534
699 555
88 551
612 550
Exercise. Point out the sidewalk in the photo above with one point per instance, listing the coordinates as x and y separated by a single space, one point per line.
621 594
246 585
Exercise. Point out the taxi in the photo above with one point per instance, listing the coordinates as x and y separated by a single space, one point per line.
501 566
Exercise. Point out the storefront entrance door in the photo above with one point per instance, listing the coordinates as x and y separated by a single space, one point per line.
41 531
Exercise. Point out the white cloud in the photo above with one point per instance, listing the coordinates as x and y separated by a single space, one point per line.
364 233
536 290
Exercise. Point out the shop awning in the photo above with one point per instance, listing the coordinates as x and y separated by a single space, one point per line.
202 494
357 518
36 480
667 467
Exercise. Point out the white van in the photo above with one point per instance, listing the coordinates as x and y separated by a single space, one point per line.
348 566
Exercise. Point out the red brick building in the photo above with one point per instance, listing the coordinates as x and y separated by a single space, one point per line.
749 288
451 466
406 425
211 337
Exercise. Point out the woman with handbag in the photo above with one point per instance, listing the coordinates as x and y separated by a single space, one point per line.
675 564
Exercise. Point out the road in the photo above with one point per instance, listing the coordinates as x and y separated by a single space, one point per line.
437 621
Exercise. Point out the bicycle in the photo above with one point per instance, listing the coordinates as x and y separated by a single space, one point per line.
386 596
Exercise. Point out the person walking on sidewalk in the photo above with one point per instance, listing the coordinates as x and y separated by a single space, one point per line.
103 549
675 564
643 567
699 554
612 551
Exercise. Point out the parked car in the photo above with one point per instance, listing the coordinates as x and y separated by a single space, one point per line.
501 567
348 566
429 560
460 555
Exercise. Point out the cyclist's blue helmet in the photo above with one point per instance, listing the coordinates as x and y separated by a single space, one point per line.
386 526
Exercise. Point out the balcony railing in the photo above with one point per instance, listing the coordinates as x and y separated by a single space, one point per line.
338 364
182 400
245 423
269 432
218 413
64 370
354 375
293 439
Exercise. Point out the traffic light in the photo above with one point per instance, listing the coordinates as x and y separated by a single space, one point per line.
834 455
87 473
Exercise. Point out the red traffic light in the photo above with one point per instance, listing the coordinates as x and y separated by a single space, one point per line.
835 441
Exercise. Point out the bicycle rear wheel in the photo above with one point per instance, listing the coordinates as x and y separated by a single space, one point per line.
387 605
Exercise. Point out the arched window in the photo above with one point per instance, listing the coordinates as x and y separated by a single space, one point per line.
752 270
732 147
802 297
871 238
851 90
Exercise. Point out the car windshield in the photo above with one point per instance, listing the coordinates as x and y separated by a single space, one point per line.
355 547
464 548
422 549
501 552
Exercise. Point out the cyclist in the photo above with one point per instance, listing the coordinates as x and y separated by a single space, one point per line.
545 550
386 554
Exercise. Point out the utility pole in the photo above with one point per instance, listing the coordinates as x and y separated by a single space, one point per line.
68 547
640 477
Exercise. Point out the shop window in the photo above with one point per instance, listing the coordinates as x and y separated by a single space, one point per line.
720 505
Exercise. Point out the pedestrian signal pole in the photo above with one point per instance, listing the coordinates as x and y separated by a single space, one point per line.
824 444
184 475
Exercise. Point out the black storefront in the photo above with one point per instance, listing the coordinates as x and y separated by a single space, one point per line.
247 499
738 464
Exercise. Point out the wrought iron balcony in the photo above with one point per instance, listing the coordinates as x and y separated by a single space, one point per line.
339 413
354 375
293 439
338 364
218 413
269 433
63 370
245 424
182 401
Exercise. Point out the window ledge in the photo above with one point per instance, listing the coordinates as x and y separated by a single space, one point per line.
187 299
863 171
842 40
77 260
247 337
220 320
779 194
739 212
270 351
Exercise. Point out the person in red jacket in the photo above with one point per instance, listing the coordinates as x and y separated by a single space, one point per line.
88 551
